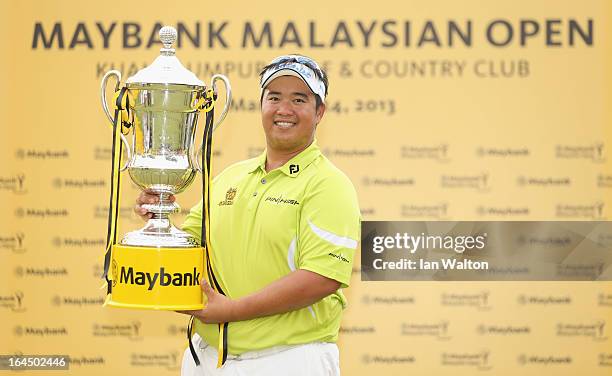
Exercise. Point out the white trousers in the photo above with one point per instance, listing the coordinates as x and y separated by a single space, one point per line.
311 359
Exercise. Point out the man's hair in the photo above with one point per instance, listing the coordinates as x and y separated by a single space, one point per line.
319 72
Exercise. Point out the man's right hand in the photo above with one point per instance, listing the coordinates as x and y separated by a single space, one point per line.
147 197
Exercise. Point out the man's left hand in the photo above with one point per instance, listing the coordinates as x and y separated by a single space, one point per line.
298 289
219 308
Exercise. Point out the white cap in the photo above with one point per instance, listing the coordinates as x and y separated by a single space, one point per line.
293 67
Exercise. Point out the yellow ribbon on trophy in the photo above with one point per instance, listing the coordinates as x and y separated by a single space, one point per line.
123 120
206 104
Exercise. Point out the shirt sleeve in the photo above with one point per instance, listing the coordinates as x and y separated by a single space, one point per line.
329 229
193 221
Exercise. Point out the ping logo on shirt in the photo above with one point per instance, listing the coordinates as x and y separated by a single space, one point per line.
294 169
281 200
162 278
229 197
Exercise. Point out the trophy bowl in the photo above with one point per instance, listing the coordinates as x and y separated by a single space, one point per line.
163 137
165 119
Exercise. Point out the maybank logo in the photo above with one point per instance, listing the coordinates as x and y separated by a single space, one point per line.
130 277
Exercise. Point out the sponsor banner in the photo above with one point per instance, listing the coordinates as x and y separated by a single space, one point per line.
130 330
400 361
479 301
13 301
13 242
474 360
45 331
437 111
41 154
63 301
594 330
170 361
439 330
544 360
14 183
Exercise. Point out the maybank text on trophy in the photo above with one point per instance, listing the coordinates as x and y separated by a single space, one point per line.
159 266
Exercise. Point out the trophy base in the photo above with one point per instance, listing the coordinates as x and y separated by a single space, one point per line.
159 232
156 278
190 307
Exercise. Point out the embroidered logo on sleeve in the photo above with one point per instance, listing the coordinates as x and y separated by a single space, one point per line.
339 257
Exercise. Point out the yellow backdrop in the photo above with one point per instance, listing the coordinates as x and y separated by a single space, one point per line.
471 110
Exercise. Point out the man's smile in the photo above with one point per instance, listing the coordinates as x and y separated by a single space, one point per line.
284 124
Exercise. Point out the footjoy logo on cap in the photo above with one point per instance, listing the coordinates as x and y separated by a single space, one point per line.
293 169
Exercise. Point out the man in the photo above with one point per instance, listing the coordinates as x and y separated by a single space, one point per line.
285 226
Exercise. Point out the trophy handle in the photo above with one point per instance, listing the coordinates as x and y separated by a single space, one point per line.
117 75
228 102
228 96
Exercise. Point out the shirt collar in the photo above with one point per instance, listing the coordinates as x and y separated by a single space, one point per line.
295 165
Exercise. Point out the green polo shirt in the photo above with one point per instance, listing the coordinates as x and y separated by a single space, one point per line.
303 215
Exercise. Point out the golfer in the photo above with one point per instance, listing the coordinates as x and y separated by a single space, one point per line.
285 227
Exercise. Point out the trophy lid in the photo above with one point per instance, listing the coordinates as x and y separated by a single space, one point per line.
166 68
